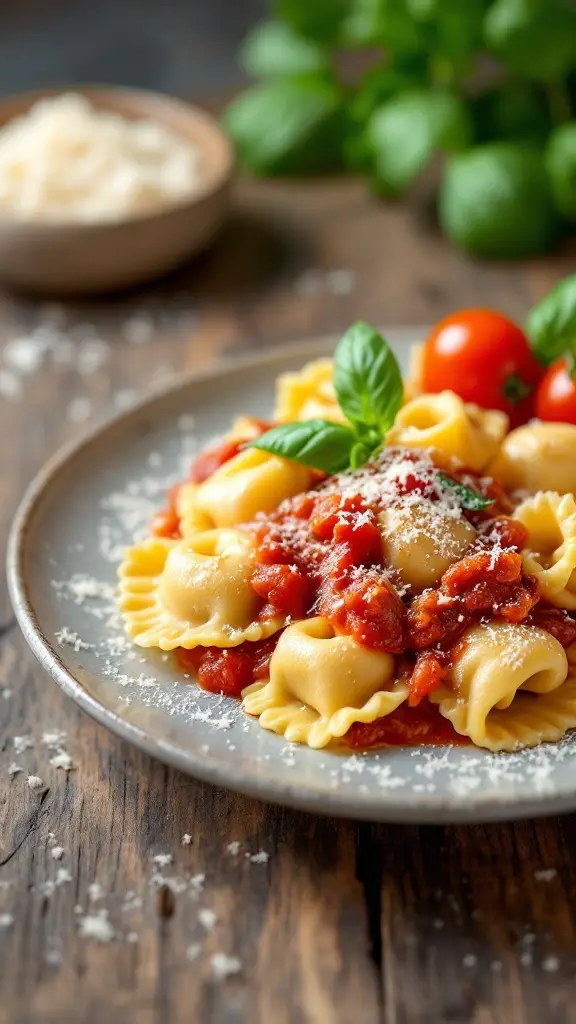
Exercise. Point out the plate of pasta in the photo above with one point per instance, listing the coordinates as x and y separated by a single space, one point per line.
320 577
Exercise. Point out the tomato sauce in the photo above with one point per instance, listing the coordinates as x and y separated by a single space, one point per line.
229 670
405 727
166 522
321 553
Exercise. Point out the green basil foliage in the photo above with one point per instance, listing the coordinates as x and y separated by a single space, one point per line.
368 386
551 324
468 498
505 141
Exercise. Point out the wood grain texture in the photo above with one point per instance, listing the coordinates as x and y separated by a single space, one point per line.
344 922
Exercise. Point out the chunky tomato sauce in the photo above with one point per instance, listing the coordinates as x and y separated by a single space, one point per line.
166 522
321 553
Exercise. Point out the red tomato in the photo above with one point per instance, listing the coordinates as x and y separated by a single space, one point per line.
556 394
485 358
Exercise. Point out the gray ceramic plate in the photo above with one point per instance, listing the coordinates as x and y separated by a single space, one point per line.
68 535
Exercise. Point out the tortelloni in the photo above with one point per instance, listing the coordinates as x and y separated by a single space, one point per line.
538 457
308 394
320 684
458 430
192 518
550 551
509 688
250 482
193 592
421 541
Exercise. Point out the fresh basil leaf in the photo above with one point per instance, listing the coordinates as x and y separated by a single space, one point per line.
516 111
378 86
561 164
273 48
407 131
320 444
360 454
320 20
551 324
454 29
367 380
288 126
536 38
496 202
467 496
363 24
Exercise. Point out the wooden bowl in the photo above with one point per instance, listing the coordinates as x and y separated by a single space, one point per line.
65 257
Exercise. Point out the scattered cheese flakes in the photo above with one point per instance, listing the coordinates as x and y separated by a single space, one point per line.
131 902
6 920
550 963
96 926
63 876
138 330
207 918
132 937
53 738
234 848
57 852
193 951
95 892
259 858
545 874
14 769
197 882
163 860
67 636
79 409
224 966
22 743
62 760
469 960
186 839
35 782
10 386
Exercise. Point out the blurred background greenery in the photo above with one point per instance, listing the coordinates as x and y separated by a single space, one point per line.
482 92
386 86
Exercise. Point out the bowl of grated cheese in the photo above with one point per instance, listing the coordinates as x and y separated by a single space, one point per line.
105 188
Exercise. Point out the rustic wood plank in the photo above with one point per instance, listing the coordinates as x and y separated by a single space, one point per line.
343 922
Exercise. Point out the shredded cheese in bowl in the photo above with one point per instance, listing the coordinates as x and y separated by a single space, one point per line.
66 160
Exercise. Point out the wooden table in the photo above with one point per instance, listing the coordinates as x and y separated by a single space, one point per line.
343 922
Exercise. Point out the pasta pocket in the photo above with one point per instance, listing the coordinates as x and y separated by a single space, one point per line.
421 541
308 394
550 553
510 687
192 518
538 457
192 592
458 430
320 684
250 482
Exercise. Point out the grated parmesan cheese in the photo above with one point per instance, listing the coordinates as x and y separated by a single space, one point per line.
66 160
224 966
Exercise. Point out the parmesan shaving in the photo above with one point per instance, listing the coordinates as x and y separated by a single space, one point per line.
66 160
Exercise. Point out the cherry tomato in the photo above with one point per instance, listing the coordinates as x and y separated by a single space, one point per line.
485 358
556 394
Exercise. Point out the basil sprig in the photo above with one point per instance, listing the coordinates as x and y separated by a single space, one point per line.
468 498
551 324
368 387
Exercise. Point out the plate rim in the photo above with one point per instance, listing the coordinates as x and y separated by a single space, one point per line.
431 810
